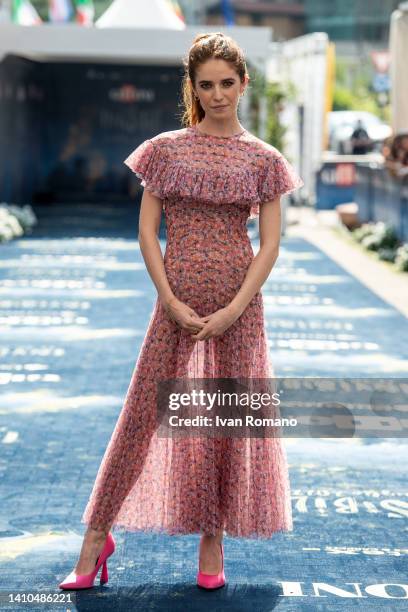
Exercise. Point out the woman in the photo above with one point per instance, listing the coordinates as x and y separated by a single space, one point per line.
395 151
208 322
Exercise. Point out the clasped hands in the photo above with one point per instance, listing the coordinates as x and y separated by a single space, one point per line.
201 328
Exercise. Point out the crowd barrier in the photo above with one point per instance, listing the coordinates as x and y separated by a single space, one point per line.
365 180
382 197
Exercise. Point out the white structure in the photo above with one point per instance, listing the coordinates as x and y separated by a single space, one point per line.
152 14
72 42
303 62
398 68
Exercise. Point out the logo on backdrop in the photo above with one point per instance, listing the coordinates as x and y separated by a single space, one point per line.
129 93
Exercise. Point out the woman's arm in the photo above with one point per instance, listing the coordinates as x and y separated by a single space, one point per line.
149 226
263 262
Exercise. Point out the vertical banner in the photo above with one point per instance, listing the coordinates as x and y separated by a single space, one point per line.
23 13
85 12
329 88
59 10
176 8
228 12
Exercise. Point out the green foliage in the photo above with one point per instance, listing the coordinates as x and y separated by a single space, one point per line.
381 238
401 260
387 254
343 99
353 90
42 8
376 236
361 232
274 129
341 71
276 94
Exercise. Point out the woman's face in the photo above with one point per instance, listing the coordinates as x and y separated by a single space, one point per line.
218 84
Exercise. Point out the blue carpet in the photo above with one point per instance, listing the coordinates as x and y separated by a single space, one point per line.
75 303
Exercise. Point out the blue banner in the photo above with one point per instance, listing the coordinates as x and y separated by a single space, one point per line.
228 12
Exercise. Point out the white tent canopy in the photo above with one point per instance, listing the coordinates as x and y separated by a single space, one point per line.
399 72
156 14
72 42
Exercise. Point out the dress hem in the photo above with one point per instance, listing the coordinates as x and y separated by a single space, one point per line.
254 535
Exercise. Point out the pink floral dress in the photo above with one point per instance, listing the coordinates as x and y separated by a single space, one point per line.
209 186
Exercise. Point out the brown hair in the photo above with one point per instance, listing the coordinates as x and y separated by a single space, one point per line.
396 144
207 46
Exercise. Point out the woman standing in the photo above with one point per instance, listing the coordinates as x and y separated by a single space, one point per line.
208 322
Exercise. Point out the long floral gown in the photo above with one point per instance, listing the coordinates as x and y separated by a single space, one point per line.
209 185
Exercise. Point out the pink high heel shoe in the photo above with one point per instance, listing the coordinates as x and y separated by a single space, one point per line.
85 581
212 581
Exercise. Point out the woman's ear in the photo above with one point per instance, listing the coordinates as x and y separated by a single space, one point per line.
246 82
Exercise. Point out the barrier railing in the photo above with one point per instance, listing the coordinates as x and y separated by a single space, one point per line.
382 197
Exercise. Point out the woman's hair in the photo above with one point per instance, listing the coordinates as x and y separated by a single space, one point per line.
394 153
214 45
395 147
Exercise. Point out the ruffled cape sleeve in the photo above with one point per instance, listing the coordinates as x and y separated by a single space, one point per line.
276 178
148 162
169 171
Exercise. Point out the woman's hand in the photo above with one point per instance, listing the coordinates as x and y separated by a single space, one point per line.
183 315
216 323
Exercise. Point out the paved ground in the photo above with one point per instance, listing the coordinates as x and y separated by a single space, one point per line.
324 230
75 302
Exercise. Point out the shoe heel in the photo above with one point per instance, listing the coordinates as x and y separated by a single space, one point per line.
212 581
104 573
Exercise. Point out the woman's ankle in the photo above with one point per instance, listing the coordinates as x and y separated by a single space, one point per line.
217 537
96 534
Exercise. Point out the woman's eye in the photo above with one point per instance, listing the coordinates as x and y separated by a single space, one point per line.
207 85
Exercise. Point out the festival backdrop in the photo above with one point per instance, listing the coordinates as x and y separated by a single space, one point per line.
67 127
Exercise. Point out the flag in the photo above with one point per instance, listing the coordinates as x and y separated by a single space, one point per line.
23 13
59 10
85 12
176 8
228 12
